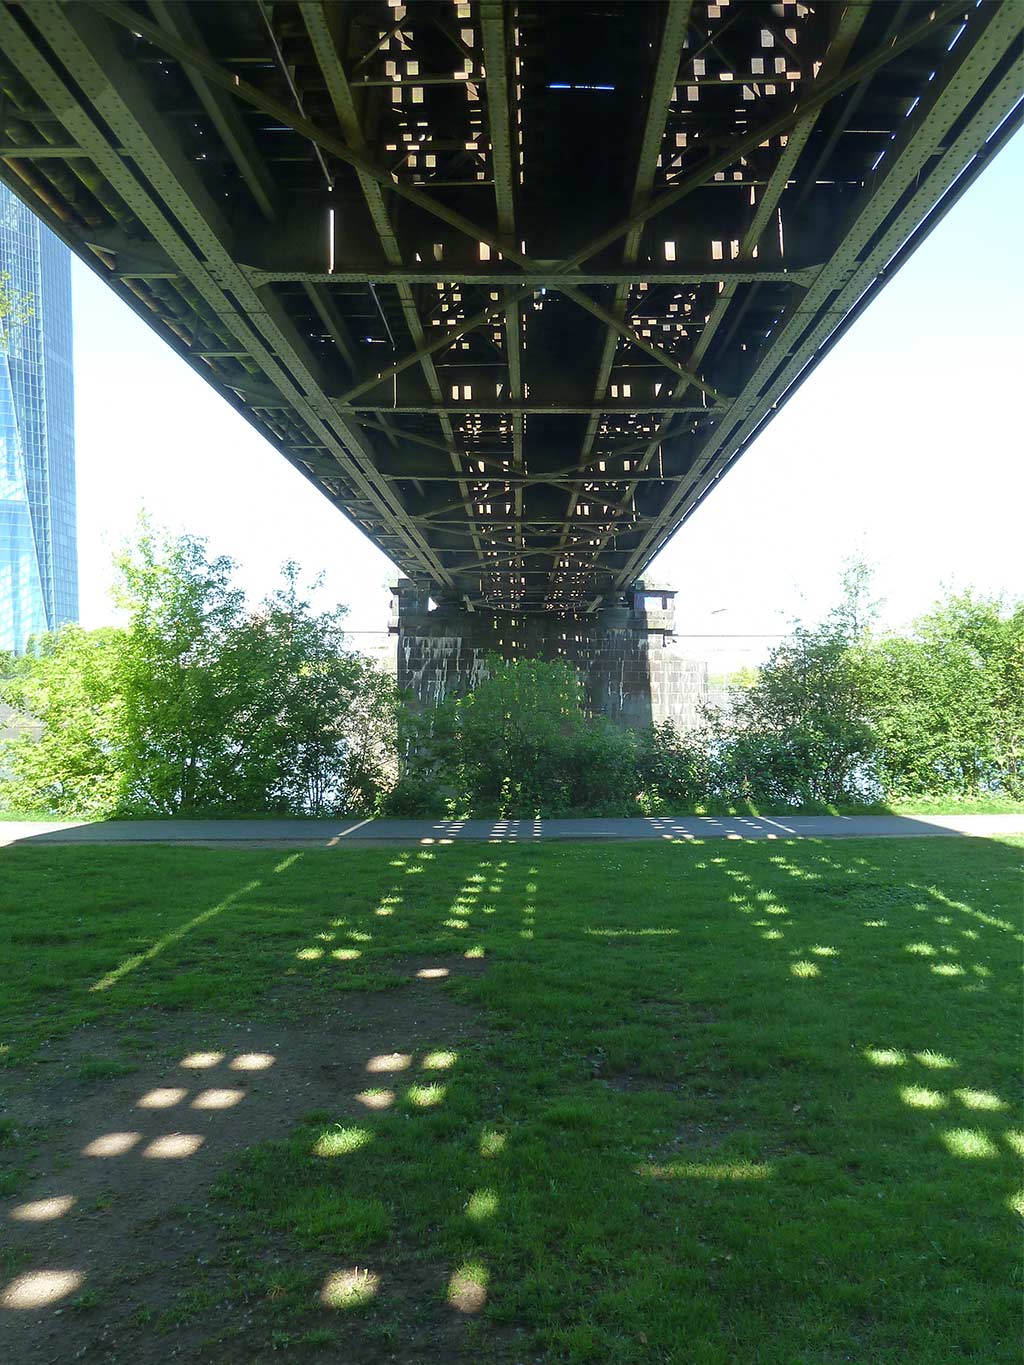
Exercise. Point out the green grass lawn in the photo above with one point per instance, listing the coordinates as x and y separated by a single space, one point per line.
719 1102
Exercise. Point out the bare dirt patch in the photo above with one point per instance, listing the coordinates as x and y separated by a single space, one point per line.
113 1224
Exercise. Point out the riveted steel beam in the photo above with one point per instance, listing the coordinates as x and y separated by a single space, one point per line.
863 254
77 38
727 272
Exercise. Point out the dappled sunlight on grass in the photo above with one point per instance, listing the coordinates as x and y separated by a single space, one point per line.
492 1143
920 1098
979 1099
467 1288
439 1061
632 933
885 1056
341 1141
482 1204
137 960
935 1061
425 1096
349 1288
708 1170
695 1097
376 1099
969 1142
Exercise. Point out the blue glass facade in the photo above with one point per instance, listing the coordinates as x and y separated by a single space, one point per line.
38 538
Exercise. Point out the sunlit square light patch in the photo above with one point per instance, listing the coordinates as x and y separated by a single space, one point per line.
340 1141
196 1061
112 1144
252 1061
920 1098
425 1096
173 1146
492 1143
389 1061
979 1099
38 1288
439 1061
935 1061
885 1056
224 1098
467 1288
44 1210
482 1204
376 1099
432 973
164 1097
349 1288
969 1143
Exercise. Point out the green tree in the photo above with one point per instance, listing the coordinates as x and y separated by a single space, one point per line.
800 733
71 760
316 730
198 705
180 679
947 702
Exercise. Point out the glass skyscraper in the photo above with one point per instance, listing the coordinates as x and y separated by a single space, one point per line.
38 539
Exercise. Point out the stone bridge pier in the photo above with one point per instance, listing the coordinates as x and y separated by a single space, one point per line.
627 656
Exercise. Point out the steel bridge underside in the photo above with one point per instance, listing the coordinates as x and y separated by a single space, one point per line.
513 284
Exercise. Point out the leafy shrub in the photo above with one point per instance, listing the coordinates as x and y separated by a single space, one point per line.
673 768
519 745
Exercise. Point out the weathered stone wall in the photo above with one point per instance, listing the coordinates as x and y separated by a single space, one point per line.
628 657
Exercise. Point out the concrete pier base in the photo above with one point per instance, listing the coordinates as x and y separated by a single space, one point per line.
627 655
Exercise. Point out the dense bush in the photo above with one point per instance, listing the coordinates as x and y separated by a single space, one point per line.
801 733
947 703
518 745
673 769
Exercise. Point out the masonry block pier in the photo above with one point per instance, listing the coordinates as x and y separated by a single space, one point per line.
628 655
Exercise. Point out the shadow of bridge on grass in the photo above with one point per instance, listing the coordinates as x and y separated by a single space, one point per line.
679 1042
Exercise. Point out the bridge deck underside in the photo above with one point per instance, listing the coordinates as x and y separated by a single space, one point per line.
512 284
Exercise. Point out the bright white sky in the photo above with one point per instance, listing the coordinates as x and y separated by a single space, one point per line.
904 446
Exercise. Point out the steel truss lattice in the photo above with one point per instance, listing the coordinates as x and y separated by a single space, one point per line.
513 284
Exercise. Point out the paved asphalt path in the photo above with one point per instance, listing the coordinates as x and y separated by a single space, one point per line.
366 833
